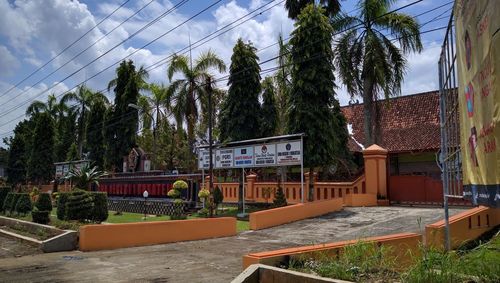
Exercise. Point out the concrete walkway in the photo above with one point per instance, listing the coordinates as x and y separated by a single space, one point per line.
215 260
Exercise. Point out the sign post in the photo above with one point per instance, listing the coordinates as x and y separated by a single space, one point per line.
302 169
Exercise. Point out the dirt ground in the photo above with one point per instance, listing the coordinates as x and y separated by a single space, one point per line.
14 248
214 260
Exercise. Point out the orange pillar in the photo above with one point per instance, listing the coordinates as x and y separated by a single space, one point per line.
375 170
249 187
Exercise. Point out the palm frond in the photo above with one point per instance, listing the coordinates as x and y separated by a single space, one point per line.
179 63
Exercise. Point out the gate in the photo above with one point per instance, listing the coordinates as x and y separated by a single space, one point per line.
450 156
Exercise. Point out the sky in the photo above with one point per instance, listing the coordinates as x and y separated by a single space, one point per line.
32 32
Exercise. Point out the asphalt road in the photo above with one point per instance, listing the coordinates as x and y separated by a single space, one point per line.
214 260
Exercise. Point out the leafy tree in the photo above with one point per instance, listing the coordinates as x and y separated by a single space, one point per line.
18 153
65 134
123 121
95 132
218 197
84 97
187 91
40 163
369 63
313 107
72 154
294 7
269 113
240 111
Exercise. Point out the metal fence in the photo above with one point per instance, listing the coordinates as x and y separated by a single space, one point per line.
450 157
149 207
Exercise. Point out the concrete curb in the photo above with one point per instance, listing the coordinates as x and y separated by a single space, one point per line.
66 240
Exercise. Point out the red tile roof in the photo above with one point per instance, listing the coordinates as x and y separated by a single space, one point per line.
407 123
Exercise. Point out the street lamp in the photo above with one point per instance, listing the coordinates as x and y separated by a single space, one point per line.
136 107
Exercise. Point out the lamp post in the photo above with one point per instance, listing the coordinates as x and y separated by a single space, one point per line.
145 194
136 107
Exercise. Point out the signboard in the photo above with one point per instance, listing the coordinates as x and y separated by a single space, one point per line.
59 170
204 159
147 165
243 157
224 158
265 154
285 153
478 59
289 153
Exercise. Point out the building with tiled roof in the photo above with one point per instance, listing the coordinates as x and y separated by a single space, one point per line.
408 128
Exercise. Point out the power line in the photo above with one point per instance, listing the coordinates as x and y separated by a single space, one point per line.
66 48
405 6
87 48
137 50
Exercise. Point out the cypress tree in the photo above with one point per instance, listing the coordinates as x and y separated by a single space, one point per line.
17 160
41 162
269 113
65 133
240 113
95 132
313 107
125 118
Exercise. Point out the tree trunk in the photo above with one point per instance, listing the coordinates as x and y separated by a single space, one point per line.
81 130
368 111
311 184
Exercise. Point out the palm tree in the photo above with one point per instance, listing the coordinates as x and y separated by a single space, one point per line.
84 98
187 91
51 107
154 109
84 177
332 7
369 63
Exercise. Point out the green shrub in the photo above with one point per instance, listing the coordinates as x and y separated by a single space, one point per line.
44 203
4 191
13 202
40 217
100 211
23 204
218 196
7 203
279 198
62 198
79 206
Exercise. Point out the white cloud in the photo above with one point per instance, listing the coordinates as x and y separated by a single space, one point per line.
8 63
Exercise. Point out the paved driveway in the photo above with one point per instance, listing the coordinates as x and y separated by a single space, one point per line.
215 260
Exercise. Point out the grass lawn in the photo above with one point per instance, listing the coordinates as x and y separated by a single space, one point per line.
128 217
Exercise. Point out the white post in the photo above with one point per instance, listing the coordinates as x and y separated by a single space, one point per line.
243 177
302 168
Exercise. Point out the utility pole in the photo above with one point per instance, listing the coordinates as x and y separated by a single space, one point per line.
209 90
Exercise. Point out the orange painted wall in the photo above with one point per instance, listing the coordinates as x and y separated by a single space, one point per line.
277 216
113 236
360 200
464 226
399 244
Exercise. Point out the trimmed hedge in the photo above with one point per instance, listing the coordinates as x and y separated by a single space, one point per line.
23 204
13 202
44 203
62 199
7 202
4 191
40 217
100 211
79 206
